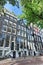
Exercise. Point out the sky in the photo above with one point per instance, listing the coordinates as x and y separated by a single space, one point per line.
17 11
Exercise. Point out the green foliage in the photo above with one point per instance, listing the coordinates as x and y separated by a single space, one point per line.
33 11
13 2
2 2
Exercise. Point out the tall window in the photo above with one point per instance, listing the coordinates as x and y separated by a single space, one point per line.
21 44
18 26
13 31
18 32
24 29
10 24
0 52
21 32
14 25
17 46
30 38
24 34
12 38
21 27
2 42
7 40
2 39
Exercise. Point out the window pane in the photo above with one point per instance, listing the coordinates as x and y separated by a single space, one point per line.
14 31
5 22
11 17
10 23
7 16
8 29
4 28
18 26
14 25
0 52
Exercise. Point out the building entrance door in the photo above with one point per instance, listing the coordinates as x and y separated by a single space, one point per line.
25 53
19 54
14 54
